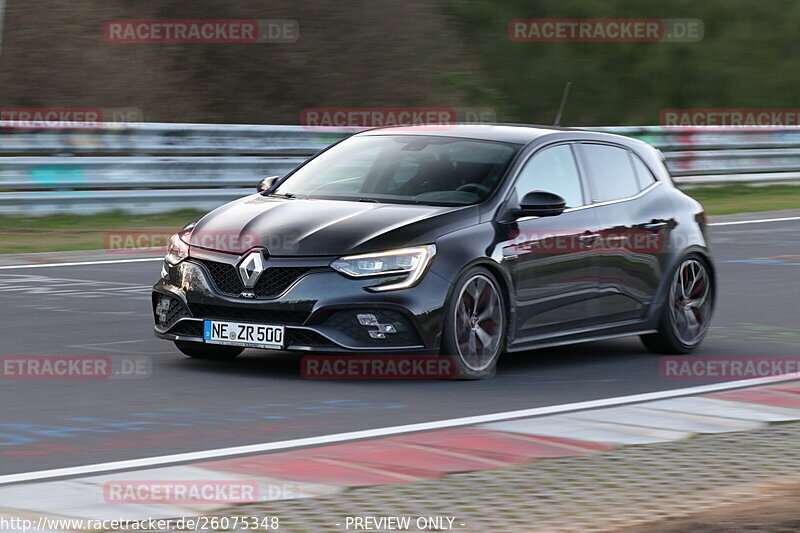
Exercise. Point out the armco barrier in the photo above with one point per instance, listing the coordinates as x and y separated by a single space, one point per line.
145 167
718 155
154 167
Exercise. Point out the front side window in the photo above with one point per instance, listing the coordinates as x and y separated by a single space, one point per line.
610 171
416 169
552 170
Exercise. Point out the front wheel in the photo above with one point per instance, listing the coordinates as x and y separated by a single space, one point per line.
199 350
475 325
686 313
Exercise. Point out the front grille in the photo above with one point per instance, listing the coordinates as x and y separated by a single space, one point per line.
346 322
225 277
272 282
305 337
265 316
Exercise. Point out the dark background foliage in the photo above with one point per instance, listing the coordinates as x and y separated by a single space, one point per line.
368 53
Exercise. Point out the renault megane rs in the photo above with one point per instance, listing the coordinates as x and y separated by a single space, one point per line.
466 241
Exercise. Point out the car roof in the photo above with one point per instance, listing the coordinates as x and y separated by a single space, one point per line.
522 134
513 133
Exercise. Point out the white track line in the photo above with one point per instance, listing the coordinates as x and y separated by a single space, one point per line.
381 432
82 263
760 221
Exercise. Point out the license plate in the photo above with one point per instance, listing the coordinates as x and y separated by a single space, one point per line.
237 334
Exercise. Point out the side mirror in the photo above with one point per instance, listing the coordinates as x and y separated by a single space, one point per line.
540 204
266 183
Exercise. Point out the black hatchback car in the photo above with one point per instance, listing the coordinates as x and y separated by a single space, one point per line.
467 241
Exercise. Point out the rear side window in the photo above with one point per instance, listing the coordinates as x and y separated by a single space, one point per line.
643 173
611 172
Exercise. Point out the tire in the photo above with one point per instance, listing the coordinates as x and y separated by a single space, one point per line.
463 328
198 350
687 309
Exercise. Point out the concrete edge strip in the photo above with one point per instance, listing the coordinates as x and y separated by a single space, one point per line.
381 432
209 474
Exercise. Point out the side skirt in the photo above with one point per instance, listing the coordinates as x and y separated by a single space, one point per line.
611 331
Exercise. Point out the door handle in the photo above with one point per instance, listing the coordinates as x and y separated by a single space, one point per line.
655 225
586 237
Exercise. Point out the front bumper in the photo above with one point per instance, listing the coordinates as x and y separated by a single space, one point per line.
317 305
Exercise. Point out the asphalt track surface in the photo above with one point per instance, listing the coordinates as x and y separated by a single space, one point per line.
179 405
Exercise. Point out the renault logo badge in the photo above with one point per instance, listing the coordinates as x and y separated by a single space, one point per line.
251 268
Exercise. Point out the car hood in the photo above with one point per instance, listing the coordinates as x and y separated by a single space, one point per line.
292 227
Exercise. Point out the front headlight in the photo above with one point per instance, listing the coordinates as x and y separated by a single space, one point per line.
178 247
410 261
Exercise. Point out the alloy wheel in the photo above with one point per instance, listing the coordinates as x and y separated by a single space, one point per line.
690 301
479 322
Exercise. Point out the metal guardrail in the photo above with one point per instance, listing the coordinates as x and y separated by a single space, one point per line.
115 172
719 155
145 167
151 167
167 139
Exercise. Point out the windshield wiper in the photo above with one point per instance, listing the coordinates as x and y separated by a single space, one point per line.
284 194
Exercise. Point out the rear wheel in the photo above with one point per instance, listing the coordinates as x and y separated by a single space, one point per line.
687 311
199 350
475 325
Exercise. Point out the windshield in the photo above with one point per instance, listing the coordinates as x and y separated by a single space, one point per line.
403 169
